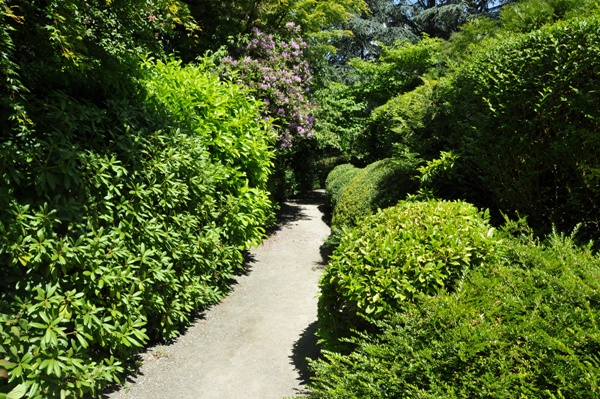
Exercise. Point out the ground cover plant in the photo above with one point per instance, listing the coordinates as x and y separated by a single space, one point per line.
524 326
395 256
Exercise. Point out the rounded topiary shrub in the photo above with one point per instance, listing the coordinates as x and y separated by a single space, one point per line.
379 185
525 327
337 180
393 257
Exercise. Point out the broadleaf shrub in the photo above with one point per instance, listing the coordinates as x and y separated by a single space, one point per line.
275 68
395 256
525 326
340 120
119 221
378 185
398 70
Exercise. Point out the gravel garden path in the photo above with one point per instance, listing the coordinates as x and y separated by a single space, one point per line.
254 344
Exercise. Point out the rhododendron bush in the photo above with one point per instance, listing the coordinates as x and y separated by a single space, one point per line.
275 68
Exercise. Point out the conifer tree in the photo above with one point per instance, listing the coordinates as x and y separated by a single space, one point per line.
387 21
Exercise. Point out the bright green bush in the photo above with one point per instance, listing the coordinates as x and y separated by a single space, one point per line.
337 180
119 221
398 69
344 118
379 185
411 120
528 15
525 121
226 122
526 327
392 258
340 119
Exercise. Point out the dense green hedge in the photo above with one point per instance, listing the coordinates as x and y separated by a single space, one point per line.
379 185
119 220
518 109
392 258
525 119
337 181
524 327
409 121
513 125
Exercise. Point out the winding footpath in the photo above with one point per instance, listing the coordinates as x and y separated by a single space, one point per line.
253 344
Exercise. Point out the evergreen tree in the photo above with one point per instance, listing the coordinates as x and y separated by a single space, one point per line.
382 23
440 18
387 21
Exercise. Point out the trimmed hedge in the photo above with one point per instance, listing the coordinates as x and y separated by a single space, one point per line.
377 186
410 121
119 221
524 327
337 181
392 258
525 120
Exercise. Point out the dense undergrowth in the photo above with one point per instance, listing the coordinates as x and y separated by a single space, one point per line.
130 184
514 104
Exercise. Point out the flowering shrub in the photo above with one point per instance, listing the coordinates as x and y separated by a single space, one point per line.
275 68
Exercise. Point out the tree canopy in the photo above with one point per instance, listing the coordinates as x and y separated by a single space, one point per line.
220 20
386 21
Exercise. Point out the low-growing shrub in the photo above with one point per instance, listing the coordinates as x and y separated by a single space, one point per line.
526 327
377 186
394 257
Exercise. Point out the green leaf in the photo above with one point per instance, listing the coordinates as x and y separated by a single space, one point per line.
38 325
18 392
6 364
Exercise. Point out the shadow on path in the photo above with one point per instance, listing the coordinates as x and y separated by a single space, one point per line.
305 348
291 210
